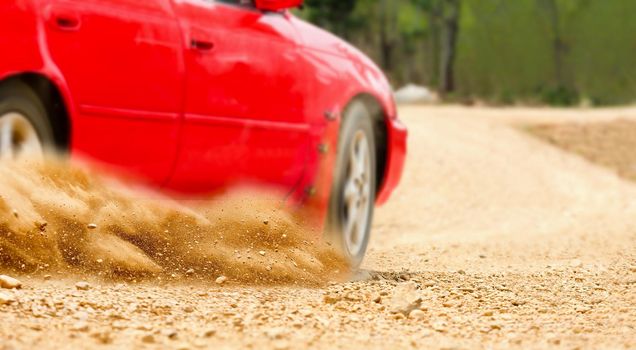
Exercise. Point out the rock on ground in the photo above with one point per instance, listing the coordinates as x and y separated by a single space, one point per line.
9 282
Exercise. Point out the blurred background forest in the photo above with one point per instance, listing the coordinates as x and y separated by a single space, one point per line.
558 52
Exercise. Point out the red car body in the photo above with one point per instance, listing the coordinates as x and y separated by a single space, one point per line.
195 96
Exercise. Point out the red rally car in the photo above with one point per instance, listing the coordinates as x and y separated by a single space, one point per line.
193 96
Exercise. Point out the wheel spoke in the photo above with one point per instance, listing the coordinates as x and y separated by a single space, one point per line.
353 162
18 137
31 144
350 224
6 136
363 215
351 192
360 149
366 192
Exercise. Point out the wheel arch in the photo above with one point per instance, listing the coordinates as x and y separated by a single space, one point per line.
51 96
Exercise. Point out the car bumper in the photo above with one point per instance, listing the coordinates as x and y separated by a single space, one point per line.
396 156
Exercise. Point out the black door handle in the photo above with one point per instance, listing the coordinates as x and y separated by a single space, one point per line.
201 45
65 20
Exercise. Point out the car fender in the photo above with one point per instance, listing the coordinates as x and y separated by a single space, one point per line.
24 40
337 74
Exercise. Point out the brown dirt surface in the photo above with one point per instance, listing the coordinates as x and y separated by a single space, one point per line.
494 240
611 144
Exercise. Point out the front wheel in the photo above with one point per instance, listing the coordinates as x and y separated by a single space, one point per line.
353 192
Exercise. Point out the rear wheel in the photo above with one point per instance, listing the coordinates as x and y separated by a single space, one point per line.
353 193
25 129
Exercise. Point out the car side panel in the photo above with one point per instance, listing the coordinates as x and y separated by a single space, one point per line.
123 64
243 116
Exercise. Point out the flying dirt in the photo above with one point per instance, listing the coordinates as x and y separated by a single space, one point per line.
57 217
495 239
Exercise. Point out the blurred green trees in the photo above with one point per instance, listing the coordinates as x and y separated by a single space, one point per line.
560 52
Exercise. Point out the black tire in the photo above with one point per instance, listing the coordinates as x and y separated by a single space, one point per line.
356 120
18 97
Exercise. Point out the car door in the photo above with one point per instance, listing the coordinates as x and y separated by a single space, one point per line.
122 61
243 120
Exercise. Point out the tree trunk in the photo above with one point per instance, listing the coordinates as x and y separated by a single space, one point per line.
386 43
433 46
558 46
450 31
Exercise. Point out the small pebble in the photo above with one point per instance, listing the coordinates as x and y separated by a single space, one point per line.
439 326
82 285
170 333
148 339
9 282
417 314
221 280
80 326
576 263
429 284
6 298
92 226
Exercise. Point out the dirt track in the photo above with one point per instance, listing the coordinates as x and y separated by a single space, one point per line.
494 240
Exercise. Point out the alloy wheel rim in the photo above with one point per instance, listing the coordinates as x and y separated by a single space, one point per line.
357 193
18 137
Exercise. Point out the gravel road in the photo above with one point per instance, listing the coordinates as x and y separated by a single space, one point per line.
495 239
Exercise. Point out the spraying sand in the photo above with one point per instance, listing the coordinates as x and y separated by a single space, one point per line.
55 217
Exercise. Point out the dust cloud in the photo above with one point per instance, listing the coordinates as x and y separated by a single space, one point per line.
60 218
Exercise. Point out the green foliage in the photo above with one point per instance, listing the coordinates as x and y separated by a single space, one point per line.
331 14
560 96
502 56
537 51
